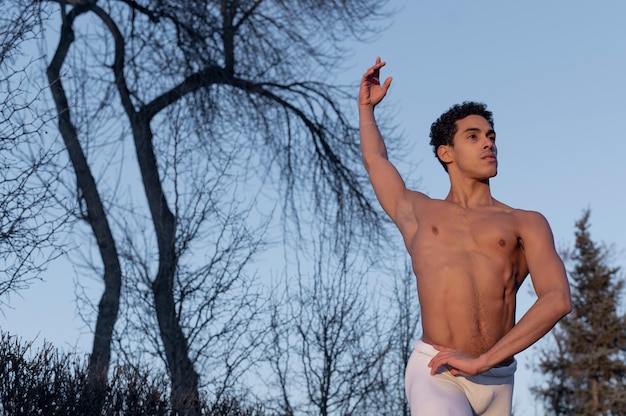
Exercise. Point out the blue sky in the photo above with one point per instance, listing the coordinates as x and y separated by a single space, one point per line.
553 73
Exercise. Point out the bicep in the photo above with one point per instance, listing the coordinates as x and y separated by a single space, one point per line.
544 264
390 188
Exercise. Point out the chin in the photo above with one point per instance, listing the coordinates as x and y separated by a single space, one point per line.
488 176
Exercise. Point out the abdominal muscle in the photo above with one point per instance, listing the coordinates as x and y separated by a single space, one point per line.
467 303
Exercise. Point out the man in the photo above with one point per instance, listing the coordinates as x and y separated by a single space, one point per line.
470 254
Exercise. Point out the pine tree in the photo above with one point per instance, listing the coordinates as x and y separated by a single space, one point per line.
586 370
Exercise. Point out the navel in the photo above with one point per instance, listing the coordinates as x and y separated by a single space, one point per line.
435 230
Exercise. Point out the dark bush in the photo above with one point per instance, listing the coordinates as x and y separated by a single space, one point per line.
49 383
232 406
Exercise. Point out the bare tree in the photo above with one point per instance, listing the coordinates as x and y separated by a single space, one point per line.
255 69
405 330
94 214
27 221
218 306
328 342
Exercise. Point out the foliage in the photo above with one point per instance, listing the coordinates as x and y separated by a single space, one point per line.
586 369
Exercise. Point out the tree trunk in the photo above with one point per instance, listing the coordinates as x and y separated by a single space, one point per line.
184 379
96 217
184 395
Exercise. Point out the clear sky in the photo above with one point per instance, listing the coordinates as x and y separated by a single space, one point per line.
554 74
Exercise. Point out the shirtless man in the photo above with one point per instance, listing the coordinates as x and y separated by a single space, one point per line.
470 254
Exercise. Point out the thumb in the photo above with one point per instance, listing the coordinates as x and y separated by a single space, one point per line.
387 83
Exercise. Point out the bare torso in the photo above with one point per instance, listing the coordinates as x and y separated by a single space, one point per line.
469 264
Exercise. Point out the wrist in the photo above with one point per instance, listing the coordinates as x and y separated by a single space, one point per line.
487 361
366 114
484 363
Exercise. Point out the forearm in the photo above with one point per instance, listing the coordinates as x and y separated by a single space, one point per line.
372 143
535 323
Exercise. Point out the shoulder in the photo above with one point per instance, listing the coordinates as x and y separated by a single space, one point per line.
528 223
529 219
417 196
522 217
533 227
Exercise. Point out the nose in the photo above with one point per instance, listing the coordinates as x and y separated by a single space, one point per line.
489 144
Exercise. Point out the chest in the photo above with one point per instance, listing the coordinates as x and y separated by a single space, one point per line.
487 231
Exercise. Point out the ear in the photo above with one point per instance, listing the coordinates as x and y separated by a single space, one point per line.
445 153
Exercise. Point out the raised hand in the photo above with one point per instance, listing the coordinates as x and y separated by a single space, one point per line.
371 91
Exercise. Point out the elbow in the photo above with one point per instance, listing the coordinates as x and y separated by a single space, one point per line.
366 165
565 304
568 309
367 159
560 303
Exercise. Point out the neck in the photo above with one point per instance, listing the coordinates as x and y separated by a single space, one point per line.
470 193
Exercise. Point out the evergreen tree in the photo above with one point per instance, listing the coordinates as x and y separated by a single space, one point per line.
586 371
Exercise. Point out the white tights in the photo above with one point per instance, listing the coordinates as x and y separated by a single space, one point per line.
487 394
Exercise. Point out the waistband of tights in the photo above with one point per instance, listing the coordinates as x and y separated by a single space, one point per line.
504 371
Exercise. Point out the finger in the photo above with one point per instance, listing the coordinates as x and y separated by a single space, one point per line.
374 70
433 360
379 64
436 358
435 364
434 369
387 84
462 373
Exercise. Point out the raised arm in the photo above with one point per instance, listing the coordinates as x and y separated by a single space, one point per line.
386 181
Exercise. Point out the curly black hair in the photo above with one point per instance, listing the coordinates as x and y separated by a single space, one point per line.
443 130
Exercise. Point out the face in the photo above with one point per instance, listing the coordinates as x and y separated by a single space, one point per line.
474 153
